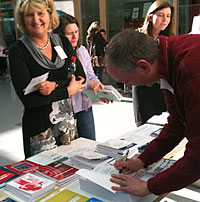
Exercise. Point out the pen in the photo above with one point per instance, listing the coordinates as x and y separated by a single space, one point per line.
125 157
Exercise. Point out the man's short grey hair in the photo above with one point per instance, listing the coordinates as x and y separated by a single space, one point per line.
129 46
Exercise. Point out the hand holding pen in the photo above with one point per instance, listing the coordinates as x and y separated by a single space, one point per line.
125 158
127 166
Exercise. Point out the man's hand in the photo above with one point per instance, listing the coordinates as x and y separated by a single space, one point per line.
76 86
46 87
130 184
129 166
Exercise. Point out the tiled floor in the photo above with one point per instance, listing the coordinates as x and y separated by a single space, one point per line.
111 121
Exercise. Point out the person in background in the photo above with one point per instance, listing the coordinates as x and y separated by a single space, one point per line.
96 45
48 114
69 27
103 33
149 101
174 62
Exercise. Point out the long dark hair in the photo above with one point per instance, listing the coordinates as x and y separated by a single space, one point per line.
147 25
66 19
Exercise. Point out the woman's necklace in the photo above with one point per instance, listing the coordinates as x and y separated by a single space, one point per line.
44 47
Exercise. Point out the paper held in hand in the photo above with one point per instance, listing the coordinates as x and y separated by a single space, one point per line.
34 81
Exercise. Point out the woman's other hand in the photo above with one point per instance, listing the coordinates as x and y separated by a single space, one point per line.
76 86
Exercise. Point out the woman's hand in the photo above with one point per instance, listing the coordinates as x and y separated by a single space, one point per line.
46 87
130 184
95 86
76 86
129 166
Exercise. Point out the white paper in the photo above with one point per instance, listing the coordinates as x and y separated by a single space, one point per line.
141 135
30 88
60 52
44 158
106 169
159 119
98 178
115 143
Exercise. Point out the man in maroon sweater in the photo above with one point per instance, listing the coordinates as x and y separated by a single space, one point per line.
136 59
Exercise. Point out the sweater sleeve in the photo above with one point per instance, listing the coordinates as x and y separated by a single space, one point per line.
186 170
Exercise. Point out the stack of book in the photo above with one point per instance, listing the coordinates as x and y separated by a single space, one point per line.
115 147
97 181
29 187
23 167
6 175
88 158
59 172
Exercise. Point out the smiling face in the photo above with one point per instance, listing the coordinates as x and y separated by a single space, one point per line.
37 22
161 19
72 33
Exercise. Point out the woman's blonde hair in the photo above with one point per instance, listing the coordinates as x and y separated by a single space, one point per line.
23 5
156 6
94 26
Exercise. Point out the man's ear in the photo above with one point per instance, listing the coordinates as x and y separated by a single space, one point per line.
143 65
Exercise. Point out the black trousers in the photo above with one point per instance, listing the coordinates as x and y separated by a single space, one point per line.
147 102
3 65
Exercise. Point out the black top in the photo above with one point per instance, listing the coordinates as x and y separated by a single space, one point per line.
100 43
38 107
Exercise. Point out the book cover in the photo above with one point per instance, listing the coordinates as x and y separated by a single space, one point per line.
30 186
6 175
63 195
23 167
58 171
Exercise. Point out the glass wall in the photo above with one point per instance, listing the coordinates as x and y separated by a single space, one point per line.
187 10
120 14
7 23
126 13
89 13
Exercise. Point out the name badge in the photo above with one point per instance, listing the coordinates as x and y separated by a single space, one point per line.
61 53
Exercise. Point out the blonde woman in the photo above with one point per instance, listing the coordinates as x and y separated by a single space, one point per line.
96 45
47 111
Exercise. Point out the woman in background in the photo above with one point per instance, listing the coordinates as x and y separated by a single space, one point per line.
48 114
69 27
149 101
96 45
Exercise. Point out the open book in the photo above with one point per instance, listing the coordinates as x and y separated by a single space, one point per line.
109 92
